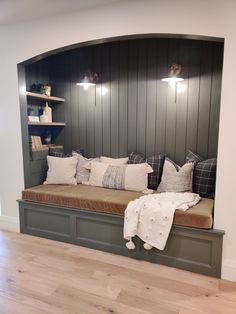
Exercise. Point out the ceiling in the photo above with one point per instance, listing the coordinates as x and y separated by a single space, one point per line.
16 11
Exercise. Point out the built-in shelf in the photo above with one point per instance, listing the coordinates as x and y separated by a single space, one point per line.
44 97
47 123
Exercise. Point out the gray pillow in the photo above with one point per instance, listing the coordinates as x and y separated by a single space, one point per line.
175 178
82 173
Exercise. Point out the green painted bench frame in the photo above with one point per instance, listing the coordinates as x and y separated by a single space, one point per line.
192 249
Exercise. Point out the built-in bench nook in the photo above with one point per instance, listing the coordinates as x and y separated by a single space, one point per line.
130 109
93 217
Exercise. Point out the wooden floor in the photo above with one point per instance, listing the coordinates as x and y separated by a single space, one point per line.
39 276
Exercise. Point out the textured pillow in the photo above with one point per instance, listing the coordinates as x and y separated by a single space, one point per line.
61 170
114 161
82 173
156 162
175 178
124 177
204 174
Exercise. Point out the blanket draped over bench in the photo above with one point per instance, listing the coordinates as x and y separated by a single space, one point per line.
150 217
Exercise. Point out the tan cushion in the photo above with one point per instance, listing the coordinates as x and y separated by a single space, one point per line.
112 201
61 170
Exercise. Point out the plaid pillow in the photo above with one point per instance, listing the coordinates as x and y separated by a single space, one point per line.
59 153
204 174
156 162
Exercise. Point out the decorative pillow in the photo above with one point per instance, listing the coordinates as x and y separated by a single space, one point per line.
176 178
156 162
204 174
114 161
123 177
82 173
61 170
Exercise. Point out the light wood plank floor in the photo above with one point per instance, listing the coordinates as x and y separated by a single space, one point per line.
39 276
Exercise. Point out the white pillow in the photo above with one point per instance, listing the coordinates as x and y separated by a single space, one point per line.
82 173
175 178
61 170
125 177
114 161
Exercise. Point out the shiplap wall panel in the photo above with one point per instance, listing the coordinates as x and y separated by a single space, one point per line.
170 142
151 97
114 69
98 137
204 98
132 95
182 108
106 100
193 95
161 100
215 102
123 99
131 109
142 97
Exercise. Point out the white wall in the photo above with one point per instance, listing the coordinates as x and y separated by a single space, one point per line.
20 42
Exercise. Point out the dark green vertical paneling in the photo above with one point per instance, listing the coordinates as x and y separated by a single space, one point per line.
74 90
132 96
193 95
151 97
171 105
89 101
161 100
114 68
106 100
215 99
82 68
204 98
98 121
182 106
123 99
142 97
131 109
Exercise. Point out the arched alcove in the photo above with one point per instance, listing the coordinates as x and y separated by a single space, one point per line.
130 109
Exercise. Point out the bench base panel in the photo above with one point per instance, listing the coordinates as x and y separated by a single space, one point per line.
191 249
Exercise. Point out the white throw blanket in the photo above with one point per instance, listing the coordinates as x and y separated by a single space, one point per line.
150 217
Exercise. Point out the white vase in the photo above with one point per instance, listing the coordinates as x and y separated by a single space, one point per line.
48 112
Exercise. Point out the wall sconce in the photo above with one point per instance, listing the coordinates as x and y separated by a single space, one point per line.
89 79
174 73
174 77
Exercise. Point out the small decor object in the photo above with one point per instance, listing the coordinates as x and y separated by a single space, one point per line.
48 138
48 112
41 89
47 90
33 119
43 117
30 111
35 142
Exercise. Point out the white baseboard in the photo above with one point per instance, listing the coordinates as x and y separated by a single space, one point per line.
9 223
229 269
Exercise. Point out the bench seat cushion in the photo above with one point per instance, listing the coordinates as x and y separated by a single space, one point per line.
111 201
